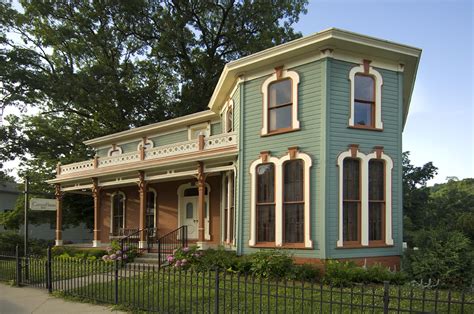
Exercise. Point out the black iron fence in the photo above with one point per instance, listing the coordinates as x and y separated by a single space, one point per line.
171 241
173 290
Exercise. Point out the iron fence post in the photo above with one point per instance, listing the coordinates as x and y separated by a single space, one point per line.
159 254
216 299
386 296
18 266
49 279
116 285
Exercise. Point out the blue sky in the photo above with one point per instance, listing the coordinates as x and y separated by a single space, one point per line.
440 122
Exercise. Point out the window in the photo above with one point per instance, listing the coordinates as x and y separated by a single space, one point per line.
376 199
366 97
364 100
150 210
365 193
280 199
293 201
266 203
118 213
229 213
351 200
280 102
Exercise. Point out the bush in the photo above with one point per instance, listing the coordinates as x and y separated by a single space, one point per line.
443 255
10 239
185 257
72 252
271 264
348 273
306 272
115 252
217 259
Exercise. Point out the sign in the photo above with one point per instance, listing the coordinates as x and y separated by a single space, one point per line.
42 204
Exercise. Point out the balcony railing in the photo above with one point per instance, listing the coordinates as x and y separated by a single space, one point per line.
181 148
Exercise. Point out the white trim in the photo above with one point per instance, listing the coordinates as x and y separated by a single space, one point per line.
180 192
295 80
148 142
278 165
253 199
96 243
112 207
112 149
308 243
364 196
206 127
58 242
378 94
388 194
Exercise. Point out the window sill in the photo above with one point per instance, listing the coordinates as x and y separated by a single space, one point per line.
362 127
272 245
359 246
269 245
281 131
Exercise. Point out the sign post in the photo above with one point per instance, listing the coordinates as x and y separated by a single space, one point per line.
25 227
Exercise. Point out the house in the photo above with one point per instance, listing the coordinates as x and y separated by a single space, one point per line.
8 194
300 149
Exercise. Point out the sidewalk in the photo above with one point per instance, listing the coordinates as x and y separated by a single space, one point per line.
32 300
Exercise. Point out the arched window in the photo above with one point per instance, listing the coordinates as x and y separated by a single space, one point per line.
293 201
117 213
376 200
266 202
280 102
351 201
366 97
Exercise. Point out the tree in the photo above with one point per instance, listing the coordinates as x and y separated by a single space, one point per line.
97 67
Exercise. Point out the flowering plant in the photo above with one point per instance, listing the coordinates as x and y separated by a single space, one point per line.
114 253
184 257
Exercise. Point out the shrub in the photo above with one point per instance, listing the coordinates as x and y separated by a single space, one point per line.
348 273
443 255
306 272
271 264
217 259
115 252
68 252
185 257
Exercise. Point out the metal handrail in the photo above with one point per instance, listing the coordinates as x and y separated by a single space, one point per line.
171 241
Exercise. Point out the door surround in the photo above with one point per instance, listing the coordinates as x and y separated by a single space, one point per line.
182 211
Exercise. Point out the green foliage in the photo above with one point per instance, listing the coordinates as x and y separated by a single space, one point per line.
441 254
81 253
186 257
348 273
10 239
271 263
217 259
305 272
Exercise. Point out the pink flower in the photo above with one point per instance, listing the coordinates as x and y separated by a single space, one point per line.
184 261
178 263
186 249
113 256
170 258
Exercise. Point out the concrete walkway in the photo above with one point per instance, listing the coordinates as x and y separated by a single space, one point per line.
32 300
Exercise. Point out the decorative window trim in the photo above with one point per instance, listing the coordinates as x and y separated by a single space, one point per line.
113 149
278 164
112 210
353 152
366 69
206 127
181 189
278 75
145 141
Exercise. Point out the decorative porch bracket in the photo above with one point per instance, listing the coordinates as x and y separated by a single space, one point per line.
59 215
96 195
201 183
142 189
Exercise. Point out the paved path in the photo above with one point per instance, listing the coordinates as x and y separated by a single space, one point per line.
32 300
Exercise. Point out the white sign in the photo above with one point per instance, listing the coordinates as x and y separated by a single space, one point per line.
42 204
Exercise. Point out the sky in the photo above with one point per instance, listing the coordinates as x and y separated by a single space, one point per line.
439 127
440 122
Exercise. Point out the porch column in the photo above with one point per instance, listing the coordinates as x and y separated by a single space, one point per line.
142 189
59 215
230 189
201 182
97 221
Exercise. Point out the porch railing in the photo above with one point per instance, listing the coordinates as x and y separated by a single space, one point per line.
131 239
171 241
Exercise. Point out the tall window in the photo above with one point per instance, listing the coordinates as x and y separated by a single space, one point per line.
351 200
364 100
280 105
150 210
118 211
266 203
376 199
293 201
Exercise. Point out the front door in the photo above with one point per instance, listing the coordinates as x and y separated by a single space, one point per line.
189 216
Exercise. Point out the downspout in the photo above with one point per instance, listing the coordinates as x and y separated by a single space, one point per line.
241 167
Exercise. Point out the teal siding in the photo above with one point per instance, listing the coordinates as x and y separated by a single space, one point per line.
340 136
130 147
310 98
102 152
170 138
216 128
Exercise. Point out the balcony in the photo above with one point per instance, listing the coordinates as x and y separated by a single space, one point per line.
181 149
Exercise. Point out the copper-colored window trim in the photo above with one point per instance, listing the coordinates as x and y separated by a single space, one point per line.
289 244
257 204
269 108
364 127
382 201
280 131
372 103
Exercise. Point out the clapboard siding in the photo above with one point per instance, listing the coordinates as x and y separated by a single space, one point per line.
340 136
308 139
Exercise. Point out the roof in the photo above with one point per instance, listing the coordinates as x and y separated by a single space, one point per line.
335 39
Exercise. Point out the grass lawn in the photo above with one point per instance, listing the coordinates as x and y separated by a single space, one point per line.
169 291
